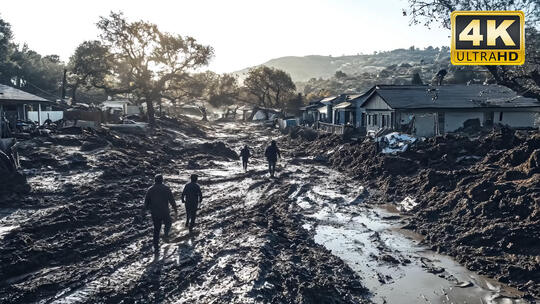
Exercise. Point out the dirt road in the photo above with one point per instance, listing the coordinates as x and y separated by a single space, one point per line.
308 236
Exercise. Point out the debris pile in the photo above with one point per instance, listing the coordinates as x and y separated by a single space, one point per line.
395 142
477 199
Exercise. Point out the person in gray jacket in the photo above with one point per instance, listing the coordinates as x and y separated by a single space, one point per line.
157 200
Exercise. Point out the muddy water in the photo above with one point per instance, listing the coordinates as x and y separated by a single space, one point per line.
214 263
392 263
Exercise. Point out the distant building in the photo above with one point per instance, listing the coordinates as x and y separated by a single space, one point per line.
122 107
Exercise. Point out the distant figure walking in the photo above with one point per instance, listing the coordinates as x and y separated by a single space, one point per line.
157 200
272 153
245 154
192 197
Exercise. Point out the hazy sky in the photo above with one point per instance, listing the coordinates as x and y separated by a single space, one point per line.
243 33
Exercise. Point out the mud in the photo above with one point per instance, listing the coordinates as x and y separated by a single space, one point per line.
78 236
473 197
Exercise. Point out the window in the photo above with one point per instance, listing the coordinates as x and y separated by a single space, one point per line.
363 120
375 119
369 120
383 121
500 116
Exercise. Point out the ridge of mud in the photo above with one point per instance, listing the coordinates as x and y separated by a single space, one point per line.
477 198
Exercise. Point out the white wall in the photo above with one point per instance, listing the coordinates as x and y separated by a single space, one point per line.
455 120
518 119
53 115
132 110
424 124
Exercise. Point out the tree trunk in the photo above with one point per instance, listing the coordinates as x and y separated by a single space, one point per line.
150 111
74 93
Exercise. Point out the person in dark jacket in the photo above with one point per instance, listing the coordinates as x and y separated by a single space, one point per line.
191 197
245 154
157 200
272 153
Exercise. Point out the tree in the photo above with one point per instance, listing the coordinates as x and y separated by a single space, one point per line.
271 87
149 64
223 91
294 104
340 74
5 37
523 79
89 66
416 80
212 89
31 72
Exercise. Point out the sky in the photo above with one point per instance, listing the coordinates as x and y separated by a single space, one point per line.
243 33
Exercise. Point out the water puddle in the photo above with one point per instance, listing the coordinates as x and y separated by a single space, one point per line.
392 264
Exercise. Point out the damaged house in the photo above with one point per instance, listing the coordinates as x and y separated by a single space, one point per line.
424 110
17 105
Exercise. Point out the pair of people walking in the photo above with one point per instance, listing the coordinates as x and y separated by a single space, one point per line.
159 197
271 153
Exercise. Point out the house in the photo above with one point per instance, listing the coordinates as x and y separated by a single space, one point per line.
424 110
326 110
16 105
310 113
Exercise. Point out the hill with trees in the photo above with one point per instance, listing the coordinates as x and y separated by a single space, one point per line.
320 76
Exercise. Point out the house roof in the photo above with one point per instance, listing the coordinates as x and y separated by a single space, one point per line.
328 100
311 106
11 94
457 96
343 105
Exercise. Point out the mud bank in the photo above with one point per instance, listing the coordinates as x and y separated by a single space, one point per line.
78 236
475 198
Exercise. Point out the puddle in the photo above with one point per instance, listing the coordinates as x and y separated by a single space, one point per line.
392 264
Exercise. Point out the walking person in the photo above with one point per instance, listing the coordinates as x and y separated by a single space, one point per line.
157 200
192 197
245 154
272 153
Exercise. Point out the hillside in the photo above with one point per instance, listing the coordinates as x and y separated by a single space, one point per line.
315 66
316 75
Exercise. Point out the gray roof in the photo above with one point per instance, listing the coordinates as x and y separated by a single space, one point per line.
456 96
8 93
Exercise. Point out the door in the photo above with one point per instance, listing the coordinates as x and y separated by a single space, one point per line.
440 123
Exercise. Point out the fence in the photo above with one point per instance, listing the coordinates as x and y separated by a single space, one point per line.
331 128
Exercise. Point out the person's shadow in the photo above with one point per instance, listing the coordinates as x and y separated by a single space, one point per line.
152 275
186 262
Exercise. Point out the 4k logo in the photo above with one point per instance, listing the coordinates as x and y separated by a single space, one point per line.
488 38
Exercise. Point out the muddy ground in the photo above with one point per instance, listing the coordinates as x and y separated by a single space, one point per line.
312 235
78 236
475 197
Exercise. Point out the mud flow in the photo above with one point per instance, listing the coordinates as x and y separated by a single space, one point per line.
310 235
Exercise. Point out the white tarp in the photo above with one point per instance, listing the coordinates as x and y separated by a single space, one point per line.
260 115
395 142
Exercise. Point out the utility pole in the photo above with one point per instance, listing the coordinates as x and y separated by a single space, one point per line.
64 83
